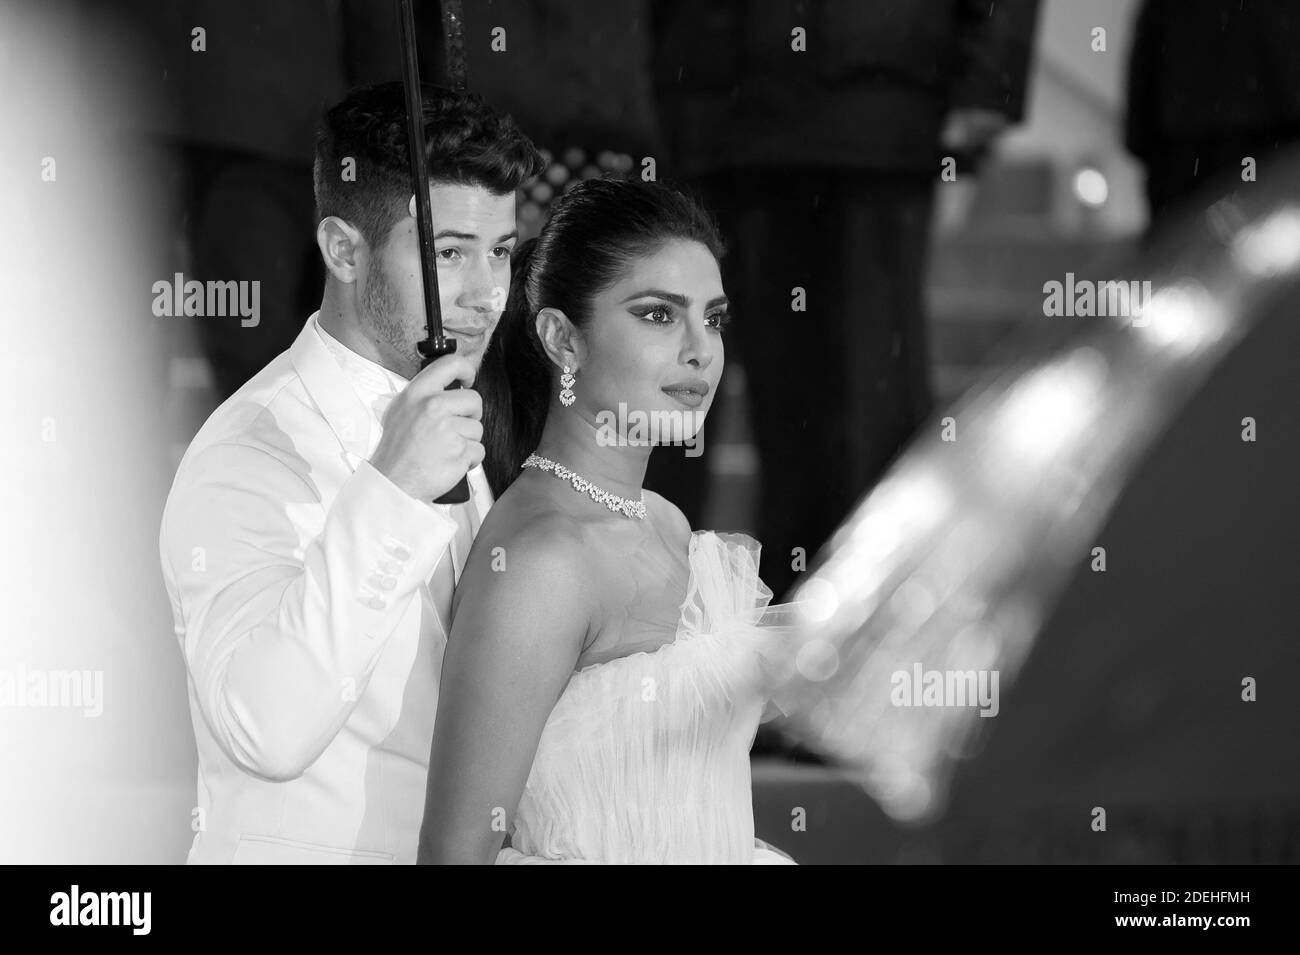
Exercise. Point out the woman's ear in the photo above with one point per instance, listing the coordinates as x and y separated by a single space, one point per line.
561 340
340 247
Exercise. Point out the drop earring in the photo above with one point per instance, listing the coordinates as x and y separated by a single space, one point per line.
566 387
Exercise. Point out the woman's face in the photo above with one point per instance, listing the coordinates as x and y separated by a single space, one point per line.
654 352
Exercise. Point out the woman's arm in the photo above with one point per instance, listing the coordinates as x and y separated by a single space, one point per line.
517 635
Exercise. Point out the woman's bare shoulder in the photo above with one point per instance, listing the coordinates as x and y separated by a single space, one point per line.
524 554
525 596
669 512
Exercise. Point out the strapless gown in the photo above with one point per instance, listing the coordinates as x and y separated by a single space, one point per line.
645 758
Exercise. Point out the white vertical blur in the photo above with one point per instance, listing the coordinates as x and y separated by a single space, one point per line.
95 741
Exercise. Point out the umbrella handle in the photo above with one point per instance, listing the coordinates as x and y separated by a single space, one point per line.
437 344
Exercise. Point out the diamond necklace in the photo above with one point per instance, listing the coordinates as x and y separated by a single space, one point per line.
628 508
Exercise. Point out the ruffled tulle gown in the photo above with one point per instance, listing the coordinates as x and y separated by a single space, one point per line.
645 758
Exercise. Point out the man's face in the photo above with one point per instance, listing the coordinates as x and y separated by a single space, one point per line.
474 235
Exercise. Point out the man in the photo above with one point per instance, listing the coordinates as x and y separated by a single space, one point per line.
310 573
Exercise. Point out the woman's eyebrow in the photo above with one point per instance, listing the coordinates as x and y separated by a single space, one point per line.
682 300
661 294
673 297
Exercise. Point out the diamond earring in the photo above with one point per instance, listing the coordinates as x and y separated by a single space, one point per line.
566 387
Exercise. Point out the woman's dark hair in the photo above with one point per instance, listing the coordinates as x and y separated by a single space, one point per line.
594 232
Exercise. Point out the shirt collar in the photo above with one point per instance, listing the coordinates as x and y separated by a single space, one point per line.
375 385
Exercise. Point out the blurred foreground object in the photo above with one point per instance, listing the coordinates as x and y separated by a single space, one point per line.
98 755
944 574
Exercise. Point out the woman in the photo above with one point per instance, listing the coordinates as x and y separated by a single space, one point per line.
603 679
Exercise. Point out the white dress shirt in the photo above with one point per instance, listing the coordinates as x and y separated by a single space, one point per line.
299 581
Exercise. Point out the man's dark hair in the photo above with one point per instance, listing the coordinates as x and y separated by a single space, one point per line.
466 143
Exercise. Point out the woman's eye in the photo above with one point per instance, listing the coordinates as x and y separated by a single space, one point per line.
449 255
501 252
718 320
659 310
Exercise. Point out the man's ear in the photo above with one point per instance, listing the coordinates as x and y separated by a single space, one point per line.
341 247
561 340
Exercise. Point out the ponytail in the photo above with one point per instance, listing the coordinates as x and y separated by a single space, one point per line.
514 379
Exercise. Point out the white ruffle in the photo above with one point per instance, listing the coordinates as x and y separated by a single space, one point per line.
645 758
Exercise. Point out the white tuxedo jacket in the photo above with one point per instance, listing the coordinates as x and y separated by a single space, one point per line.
298 577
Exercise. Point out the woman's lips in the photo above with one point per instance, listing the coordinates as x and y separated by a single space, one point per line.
691 395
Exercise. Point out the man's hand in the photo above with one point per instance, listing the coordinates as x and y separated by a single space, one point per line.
432 436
